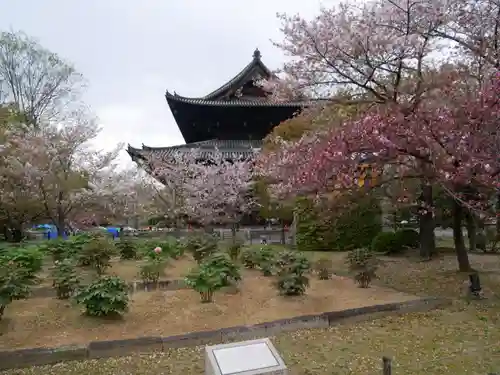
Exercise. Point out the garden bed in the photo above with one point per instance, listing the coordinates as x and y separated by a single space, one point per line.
128 270
461 339
50 322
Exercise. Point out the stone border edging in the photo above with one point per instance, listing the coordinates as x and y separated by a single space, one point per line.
21 358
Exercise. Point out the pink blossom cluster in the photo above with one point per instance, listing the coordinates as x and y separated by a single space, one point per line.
215 190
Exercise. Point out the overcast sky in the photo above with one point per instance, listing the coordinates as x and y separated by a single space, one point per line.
131 51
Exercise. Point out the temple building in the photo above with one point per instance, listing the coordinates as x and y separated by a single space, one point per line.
234 118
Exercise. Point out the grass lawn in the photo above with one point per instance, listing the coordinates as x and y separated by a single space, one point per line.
462 339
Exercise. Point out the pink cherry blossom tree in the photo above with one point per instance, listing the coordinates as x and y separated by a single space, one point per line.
58 168
453 139
393 53
217 190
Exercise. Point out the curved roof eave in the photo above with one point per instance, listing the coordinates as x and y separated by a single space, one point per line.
245 74
233 103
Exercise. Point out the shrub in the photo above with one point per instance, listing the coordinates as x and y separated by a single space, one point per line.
65 279
291 274
127 248
222 264
408 238
492 238
266 260
326 230
15 283
152 271
177 248
206 281
156 254
234 249
170 248
387 243
28 259
363 264
105 296
201 246
59 249
97 253
250 257
291 284
323 267
295 260
78 241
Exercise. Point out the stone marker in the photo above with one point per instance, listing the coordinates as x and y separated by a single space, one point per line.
254 357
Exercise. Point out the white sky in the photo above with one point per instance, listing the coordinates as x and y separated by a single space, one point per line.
131 52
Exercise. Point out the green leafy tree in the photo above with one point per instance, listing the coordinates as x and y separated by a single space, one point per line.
37 81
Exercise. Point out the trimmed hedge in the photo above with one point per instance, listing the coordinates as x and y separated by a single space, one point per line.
325 231
395 242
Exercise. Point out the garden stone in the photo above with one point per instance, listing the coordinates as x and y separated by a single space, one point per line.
254 357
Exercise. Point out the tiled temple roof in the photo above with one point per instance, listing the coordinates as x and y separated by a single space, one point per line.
231 149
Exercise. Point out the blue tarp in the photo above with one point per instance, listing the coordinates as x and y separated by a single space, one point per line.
114 231
50 231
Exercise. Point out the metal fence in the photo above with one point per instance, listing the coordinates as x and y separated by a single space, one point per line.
246 235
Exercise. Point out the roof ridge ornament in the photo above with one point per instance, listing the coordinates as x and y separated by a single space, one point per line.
256 54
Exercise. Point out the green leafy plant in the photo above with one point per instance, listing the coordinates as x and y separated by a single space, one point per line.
363 264
29 259
221 264
234 249
58 248
105 296
15 283
292 269
65 279
169 248
127 248
293 260
291 284
206 281
201 246
250 257
266 261
408 238
492 239
342 229
61 248
152 271
386 243
78 241
323 268
97 253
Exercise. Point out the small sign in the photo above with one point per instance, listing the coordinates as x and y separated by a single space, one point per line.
252 357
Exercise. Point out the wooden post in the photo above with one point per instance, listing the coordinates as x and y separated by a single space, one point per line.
387 367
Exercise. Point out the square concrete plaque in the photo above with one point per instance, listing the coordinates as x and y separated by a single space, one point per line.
252 357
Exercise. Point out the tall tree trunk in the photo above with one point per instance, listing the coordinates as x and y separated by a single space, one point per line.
6 232
426 224
458 238
498 215
471 231
17 234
